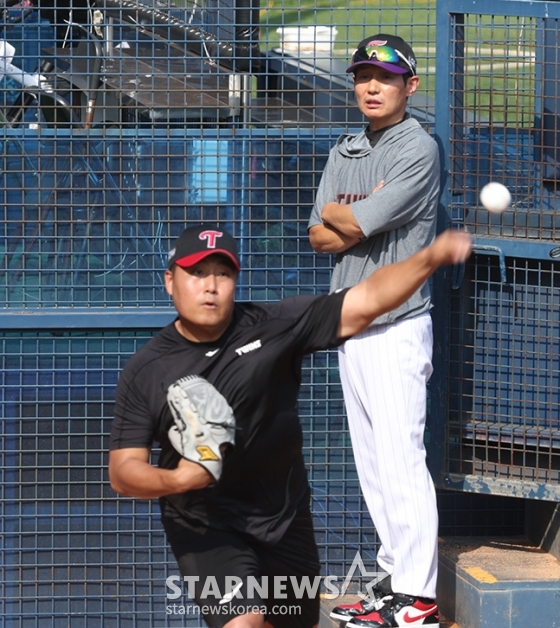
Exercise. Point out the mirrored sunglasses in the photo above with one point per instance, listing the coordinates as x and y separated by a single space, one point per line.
385 54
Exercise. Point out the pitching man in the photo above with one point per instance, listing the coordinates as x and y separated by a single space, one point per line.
218 388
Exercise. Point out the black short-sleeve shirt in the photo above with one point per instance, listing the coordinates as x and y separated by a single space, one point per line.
256 366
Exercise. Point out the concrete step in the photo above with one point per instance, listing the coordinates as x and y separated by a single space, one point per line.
498 583
487 582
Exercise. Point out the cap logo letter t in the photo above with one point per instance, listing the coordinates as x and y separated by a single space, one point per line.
210 237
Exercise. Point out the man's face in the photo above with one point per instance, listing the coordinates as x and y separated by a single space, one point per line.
381 95
203 296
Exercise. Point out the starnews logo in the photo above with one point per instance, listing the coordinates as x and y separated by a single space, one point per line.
276 587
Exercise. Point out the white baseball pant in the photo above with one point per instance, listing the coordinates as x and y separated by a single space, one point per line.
384 373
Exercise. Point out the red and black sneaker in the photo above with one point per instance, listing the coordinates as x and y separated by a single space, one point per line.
379 593
399 610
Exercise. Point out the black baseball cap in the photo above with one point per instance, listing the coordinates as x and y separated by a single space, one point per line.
386 51
196 243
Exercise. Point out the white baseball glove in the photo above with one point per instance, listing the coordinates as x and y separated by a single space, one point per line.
204 423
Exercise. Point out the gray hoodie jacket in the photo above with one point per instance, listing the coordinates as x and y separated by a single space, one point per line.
397 220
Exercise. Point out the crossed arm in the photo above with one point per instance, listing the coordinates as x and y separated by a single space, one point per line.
339 230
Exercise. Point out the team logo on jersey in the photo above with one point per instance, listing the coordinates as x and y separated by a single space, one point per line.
252 346
346 199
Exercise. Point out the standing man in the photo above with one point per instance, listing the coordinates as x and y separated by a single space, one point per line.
376 204
217 388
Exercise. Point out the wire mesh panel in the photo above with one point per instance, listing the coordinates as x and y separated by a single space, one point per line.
502 102
122 123
504 419
504 353
195 64
89 222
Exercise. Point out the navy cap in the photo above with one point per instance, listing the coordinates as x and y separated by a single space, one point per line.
196 243
386 51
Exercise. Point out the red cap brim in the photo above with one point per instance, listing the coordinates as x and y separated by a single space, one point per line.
191 260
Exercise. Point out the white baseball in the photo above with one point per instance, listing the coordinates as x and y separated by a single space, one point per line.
495 197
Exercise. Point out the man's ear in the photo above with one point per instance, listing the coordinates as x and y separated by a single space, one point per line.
412 85
168 280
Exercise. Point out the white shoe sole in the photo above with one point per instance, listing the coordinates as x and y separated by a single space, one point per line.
345 618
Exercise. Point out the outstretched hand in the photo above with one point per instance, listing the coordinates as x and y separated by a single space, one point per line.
452 247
